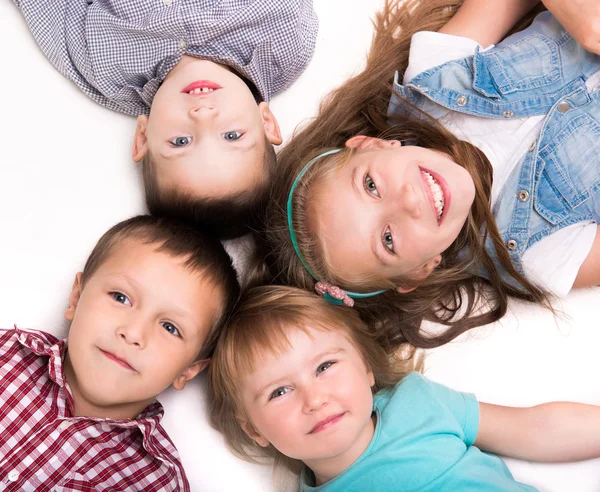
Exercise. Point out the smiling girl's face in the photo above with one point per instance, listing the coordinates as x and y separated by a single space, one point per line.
391 210
313 401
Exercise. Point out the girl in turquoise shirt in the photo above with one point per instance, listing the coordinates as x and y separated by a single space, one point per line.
296 378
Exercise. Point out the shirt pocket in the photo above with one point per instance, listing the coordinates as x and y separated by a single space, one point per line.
571 169
532 62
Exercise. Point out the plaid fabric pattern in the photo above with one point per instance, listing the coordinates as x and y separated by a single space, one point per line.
43 447
119 51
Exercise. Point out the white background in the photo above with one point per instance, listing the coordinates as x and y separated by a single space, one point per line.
66 177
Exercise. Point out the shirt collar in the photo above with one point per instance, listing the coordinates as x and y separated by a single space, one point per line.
46 345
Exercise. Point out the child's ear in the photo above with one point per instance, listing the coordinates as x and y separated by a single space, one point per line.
74 298
253 434
190 373
423 272
270 124
363 142
140 142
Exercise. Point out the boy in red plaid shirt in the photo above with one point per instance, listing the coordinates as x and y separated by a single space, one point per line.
81 414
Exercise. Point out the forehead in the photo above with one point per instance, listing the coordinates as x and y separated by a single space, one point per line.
344 219
296 348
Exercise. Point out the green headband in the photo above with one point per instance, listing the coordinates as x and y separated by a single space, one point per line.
324 292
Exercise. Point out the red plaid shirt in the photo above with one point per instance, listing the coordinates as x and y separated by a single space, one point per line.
43 447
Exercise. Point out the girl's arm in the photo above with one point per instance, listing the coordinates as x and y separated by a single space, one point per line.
581 18
551 432
487 21
589 272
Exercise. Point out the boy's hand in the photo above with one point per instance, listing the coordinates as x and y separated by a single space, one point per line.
581 18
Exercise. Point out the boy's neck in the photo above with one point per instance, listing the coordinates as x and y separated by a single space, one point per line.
84 408
329 468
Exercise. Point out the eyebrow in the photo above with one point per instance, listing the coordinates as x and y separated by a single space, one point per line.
327 353
353 181
374 243
137 286
246 146
173 156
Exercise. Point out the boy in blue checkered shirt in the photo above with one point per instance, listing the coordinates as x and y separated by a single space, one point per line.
198 74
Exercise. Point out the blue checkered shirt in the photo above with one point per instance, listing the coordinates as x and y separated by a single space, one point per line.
119 51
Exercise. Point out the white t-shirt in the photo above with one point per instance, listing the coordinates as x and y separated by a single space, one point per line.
554 261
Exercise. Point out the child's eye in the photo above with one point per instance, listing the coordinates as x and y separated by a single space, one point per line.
180 141
171 328
279 392
370 186
232 135
387 239
324 366
120 298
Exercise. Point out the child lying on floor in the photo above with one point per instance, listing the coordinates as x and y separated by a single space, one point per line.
199 75
295 377
81 414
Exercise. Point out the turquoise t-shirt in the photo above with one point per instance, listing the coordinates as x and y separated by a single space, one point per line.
423 441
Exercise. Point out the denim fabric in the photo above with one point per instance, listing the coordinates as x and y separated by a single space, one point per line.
539 71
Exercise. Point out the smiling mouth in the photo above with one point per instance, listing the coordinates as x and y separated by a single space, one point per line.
327 423
201 87
437 193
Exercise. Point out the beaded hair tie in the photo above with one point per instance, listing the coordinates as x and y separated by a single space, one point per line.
329 292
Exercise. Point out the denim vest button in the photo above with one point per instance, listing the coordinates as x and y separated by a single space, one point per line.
508 113
511 245
532 146
563 106
523 195
461 101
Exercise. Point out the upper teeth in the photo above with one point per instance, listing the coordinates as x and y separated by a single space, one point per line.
436 193
199 90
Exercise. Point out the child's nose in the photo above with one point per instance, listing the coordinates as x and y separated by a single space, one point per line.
133 333
203 113
409 200
314 399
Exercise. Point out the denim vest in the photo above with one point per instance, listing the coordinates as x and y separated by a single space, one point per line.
539 71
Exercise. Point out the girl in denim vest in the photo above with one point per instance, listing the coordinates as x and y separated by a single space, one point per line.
477 181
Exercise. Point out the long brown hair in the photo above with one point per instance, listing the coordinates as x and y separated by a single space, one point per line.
359 107
265 318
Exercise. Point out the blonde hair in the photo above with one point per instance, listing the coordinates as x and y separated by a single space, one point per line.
359 107
262 324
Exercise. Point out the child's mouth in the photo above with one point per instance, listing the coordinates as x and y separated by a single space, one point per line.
438 190
118 360
201 87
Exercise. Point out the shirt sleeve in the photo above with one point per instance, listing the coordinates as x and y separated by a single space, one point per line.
431 49
463 406
553 262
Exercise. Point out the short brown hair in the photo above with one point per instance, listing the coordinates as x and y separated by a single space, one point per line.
203 253
227 217
262 323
